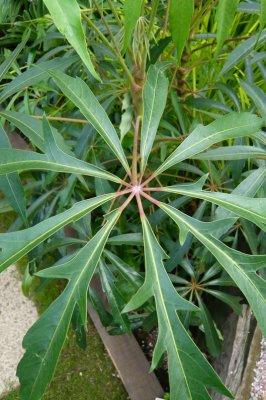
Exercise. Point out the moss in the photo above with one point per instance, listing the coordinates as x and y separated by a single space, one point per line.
81 374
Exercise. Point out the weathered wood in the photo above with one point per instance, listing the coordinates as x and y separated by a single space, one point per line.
236 362
128 358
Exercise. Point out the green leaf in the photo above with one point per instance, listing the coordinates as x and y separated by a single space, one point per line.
4 67
225 16
81 95
242 51
14 245
251 209
32 128
67 18
11 186
242 268
231 301
154 101
227 127
35 75
232 153
115 299
189 372
257 95
13 160
38 364
262 14
180 14
212 339
132 11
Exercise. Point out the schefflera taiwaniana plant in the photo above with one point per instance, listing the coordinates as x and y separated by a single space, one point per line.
189 371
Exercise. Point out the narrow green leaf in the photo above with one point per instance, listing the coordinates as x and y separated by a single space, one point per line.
232 153
257 95
38 364
35 75
14 245
180 14
242 268
212 339
11 186
4 67
225 16
154 101
13 160
227 127
231 301
189 371
242 51
67 18
132 11
115 299
81 95
251 209
262 14
32 128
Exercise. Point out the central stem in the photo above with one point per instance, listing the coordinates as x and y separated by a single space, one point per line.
135 153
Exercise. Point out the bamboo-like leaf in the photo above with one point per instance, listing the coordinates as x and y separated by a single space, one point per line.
242 268
114 297
81 95
232 153
32 128
227 127
11 186
242 51
225 16
12 160
212 339
132 11
251 209
180 14
35 75
262 14
38 364
14 245
4 67
189 372
257 95
154 100
67 17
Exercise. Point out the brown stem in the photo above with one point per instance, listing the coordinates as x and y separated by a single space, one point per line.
79 121
135 153
156 202
128 200
141 211
153 189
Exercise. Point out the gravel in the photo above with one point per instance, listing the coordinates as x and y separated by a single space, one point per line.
258 388
17 314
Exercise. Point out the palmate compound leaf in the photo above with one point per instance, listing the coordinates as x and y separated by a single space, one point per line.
251 209
242 268
229 126
76 90
54 159
189 372
44 340
14 245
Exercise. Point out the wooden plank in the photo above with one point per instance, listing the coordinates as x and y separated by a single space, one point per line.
128 358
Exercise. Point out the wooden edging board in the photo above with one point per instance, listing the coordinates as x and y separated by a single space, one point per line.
128 358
